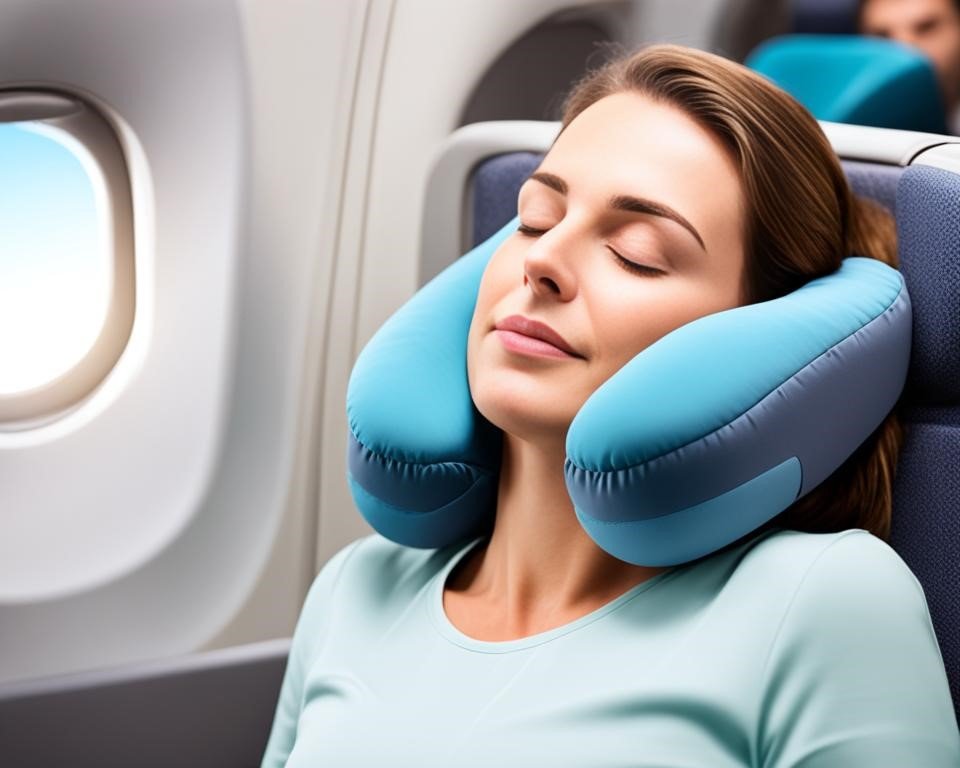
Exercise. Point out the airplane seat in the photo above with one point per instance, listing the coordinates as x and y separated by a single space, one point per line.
926 524
926 203
875 181
855 79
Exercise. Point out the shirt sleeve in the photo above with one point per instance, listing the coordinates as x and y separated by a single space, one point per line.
308 638
855 677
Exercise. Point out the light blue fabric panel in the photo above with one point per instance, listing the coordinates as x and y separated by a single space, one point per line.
699 530
855 79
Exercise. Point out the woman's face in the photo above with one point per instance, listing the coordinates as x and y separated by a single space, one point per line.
631 227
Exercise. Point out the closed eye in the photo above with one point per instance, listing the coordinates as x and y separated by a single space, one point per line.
635 268
523 229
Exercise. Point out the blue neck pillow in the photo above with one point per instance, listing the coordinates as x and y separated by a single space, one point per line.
700 439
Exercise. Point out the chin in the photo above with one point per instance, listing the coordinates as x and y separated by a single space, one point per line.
526 415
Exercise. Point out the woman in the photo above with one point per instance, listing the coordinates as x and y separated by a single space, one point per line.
680 185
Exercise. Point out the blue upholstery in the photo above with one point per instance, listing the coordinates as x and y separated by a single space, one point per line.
928 202
855 79
496 184
926 520
878 182
838 17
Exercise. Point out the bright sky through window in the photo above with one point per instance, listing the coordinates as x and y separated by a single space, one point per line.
55 260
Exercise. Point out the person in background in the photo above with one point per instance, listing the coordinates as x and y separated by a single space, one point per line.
933 27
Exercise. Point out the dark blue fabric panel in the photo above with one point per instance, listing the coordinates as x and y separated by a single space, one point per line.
947 415
837 17
878 182
928 226
496 183
926 529
410 486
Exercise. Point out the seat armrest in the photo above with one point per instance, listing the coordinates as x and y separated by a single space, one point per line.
211 709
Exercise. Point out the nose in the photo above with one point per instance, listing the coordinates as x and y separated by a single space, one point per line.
547 269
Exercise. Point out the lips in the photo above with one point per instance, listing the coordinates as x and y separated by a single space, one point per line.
526 336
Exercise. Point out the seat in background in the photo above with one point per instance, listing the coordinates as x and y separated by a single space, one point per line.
855 79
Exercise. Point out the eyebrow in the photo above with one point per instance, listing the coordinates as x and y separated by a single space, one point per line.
626 203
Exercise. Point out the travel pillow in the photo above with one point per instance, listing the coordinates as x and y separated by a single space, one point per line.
700 439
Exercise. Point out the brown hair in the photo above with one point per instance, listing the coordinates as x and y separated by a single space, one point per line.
802 220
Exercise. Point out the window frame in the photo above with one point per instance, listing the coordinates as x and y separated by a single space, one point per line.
46 402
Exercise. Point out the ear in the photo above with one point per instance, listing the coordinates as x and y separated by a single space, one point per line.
722 424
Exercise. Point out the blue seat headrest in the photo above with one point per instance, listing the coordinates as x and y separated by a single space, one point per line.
700 439
855 79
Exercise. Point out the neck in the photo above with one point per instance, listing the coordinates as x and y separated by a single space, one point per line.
540 568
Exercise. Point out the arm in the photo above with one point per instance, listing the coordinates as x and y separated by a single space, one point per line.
307 640
855 677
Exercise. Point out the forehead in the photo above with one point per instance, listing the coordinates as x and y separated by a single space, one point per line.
629 140
629 144
903 12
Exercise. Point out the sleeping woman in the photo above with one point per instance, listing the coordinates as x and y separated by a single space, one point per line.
680 185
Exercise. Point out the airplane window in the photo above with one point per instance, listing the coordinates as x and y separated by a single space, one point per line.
54 254
66 254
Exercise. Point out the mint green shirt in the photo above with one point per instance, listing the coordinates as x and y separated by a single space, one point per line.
792 649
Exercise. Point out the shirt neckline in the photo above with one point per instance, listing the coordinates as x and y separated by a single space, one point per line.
446 628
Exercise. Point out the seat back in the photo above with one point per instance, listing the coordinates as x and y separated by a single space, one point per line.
855 79
926 520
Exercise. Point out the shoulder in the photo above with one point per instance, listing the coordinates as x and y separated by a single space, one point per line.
784 584
854 661
376 573
841 588
836 567
385 565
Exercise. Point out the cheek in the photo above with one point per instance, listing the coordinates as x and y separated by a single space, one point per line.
940 55
629 321
942 48
498 280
